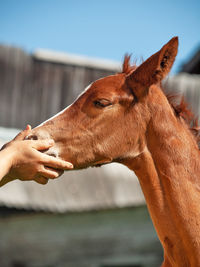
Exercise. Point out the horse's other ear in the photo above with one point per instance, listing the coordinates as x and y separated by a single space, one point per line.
154 69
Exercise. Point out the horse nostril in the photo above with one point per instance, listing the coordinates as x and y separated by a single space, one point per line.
32 137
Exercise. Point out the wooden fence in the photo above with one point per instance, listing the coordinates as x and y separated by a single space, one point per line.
33 89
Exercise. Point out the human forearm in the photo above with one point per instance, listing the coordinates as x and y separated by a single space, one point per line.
5 165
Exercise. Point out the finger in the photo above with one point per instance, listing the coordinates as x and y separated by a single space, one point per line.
49 173
23 133
56 163
58 171
42 144
41 180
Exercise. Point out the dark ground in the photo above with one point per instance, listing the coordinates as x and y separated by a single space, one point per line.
114 238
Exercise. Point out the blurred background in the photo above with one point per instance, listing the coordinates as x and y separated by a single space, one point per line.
49 52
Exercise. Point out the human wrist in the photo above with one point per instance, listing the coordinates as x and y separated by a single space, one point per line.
8 155
6 162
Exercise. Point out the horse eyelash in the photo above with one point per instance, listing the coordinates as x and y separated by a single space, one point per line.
99 104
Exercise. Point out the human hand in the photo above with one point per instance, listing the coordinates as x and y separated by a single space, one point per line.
28 163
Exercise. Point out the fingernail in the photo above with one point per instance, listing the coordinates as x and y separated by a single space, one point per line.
28 127
69 165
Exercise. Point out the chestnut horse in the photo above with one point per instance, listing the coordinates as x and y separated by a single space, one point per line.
127 118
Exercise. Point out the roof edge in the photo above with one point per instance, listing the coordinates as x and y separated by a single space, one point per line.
77 60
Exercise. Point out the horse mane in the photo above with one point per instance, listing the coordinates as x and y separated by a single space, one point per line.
181 108
183 111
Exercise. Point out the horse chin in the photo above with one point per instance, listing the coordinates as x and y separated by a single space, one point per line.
98 165
104 161
85 165
54 152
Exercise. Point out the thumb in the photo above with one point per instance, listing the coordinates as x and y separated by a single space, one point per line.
23 133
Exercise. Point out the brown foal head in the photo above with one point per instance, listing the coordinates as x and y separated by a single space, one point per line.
108 120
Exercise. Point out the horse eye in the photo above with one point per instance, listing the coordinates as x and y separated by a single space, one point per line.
102 103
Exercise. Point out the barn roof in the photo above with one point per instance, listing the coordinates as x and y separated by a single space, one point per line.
76 60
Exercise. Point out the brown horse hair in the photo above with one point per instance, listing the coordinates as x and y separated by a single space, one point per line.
126 67
181 107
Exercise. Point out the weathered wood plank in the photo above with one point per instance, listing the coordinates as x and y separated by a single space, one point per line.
33 90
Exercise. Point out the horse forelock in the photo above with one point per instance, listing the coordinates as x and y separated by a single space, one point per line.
126 67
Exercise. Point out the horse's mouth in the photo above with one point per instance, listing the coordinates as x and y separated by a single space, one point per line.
51 153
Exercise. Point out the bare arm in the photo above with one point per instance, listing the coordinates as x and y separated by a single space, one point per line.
22 159
5 163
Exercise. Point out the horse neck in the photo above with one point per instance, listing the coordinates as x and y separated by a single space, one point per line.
168 171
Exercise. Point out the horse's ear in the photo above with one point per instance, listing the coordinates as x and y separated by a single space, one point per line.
154 69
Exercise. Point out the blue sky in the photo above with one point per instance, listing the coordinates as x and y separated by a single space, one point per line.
101 28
